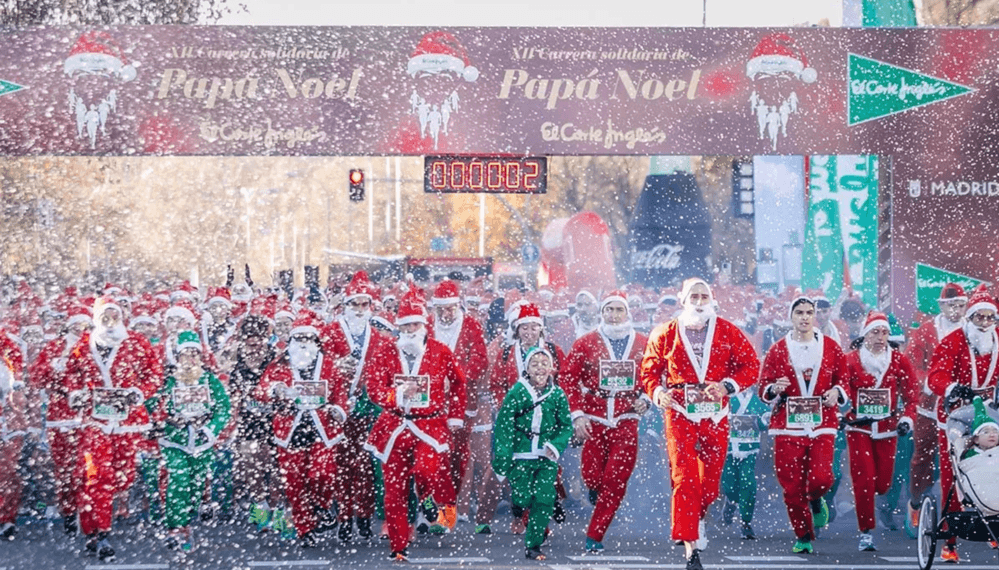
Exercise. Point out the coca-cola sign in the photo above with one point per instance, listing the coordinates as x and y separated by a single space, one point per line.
663 256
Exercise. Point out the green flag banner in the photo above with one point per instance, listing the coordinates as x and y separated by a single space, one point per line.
930 280
841 228
9 87
877 89
889 13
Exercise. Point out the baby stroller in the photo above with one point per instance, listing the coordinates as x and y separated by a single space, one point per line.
974 479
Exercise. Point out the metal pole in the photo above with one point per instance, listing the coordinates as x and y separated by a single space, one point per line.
371 210
704 13
398 202
482 225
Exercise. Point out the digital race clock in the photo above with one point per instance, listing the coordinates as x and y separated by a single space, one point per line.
486 174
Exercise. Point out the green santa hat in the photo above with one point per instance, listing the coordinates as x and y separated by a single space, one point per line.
982 418
188 339
895 334
533 351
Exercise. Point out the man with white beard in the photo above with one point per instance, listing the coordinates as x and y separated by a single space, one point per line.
882 386
63 423
963 366
466 340
308 418
606 404
586 317
358 352
925 444
421 398
109 374
691 366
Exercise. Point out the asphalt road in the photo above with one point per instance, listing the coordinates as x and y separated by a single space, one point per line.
639 538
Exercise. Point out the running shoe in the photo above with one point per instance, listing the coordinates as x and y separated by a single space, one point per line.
728 513
802 547
483 529
593 545
866 543
949 554
535 554
747 532
399 556
820 513
104 551
8 531
694 562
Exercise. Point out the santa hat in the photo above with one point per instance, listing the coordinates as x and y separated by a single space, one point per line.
182 310
586 293
558 306
440 52
982 417
307 322
78 314
797 301
188 339
143 312
540 349
382 320
446 293
360 286
528 313
103 303
688 285
97 52
980 300
30 322
111 289
184 291
219 295
283 309
242 293
953 292
777 54
616 295
411 310
874 320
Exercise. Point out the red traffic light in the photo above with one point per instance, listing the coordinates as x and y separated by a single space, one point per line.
356 176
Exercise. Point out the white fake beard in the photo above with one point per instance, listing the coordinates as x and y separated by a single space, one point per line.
412 343
448 334
109 337
302 354
875 364
617 332
945 326
695 317
188 375
71 340
356 322
981 341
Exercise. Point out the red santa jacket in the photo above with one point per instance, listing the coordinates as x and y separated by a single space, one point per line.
952 365
581 379
378 352
669 361
446 405
13 405
469 350
49 374
327 419
508 368
832 373
901 383
132 366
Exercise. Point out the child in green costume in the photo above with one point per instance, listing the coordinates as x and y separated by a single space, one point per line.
532 430
750 416
191 410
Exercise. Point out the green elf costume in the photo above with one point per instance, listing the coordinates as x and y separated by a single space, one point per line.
191 410
982 421
750 416
532 430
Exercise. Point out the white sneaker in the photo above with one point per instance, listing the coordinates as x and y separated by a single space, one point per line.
702 536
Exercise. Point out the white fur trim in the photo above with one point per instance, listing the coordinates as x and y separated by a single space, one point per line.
875 324
182 312
979 306
410 319
304 330
455 423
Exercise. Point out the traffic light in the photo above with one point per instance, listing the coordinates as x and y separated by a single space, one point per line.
356 185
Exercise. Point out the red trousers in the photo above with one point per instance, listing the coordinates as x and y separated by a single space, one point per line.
804 471
947 477
354 488
413 458
108 467
10 479
697 458
460 452
64 446
309 475
872 463
608 458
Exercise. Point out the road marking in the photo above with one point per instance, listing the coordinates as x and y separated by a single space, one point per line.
126 567
898 558
596 557
469 560
612 566
288 563
766 558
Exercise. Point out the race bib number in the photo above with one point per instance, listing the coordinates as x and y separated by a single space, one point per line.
110 404
745 429
311 395
417 390
873 403
191 401
804 412
617 375
698 405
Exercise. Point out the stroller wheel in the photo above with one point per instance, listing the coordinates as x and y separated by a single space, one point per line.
926 533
